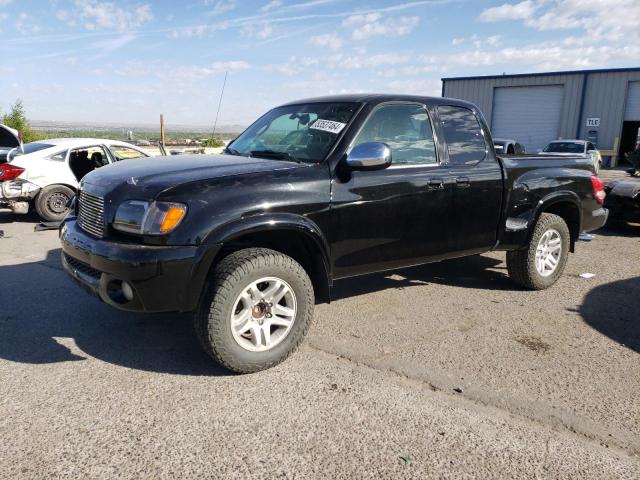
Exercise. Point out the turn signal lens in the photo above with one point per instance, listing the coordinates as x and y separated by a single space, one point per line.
172 217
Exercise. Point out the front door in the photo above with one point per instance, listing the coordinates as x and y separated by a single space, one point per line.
398 216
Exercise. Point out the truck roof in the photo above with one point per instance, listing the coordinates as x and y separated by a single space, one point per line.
375 98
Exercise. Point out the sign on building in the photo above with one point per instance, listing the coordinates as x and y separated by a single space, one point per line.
593 122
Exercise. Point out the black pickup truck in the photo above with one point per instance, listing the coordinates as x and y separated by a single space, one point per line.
316 191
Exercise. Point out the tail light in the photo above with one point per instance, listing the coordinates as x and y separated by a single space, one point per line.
9 172
598 190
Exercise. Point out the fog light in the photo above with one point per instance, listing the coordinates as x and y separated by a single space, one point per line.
127 291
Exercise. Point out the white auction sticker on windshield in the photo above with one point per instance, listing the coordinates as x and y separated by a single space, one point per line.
328 126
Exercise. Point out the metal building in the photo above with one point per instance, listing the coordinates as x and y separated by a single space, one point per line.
598 105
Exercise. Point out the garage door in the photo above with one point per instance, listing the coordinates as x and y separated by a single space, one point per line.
632 110
529 115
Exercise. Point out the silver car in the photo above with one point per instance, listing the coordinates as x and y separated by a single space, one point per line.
575 147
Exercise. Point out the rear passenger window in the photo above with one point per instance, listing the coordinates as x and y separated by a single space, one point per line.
463 135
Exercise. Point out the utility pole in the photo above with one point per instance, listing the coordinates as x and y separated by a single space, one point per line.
162 129
215 124
162 149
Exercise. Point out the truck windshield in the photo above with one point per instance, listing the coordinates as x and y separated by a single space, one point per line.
303 133
564 147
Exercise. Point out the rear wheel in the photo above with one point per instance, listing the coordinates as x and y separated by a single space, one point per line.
255 311
541 264
51 202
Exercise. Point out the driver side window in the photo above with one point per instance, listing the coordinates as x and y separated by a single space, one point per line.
406 129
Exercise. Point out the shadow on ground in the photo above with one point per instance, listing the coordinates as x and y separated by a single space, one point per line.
613 309
469 272
43 314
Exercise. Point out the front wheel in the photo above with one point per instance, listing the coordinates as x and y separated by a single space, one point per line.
255 311
541 264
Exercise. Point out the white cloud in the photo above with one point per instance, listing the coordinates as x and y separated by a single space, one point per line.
110 45
195 73
541 56
189 32
329 40
94 15
457 41
603 19
365 60
294 66
221 6
272 5
419 86
494 40
4 3
261 31
25 25
354 20
509 11
373 24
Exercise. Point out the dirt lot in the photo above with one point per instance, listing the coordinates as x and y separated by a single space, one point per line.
443 371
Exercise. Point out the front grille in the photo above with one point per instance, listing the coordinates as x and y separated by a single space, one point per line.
91 214
82 267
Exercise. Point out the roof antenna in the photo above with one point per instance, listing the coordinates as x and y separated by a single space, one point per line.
215 124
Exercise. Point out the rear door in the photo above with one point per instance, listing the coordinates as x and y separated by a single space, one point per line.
477 179
398 216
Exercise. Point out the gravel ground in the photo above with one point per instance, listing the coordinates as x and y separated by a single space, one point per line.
441 371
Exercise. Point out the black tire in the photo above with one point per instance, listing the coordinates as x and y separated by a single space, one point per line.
521 264
51 202
234 273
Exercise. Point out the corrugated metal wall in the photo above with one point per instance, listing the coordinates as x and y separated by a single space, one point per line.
605 98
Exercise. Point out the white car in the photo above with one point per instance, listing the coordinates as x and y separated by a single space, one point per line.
47 173
575 147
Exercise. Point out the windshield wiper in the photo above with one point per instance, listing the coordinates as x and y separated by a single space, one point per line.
274 154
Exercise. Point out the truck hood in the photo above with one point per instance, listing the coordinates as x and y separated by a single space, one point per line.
150 176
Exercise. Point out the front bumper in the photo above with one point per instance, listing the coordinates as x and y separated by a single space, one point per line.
161 278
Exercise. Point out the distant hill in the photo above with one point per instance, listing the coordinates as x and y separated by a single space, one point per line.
53 125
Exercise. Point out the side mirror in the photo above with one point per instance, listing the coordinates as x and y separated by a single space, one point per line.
369 156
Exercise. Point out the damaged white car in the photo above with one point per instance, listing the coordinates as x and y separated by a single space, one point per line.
46 174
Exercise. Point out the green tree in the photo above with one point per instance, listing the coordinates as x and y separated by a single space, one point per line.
16 118
213 142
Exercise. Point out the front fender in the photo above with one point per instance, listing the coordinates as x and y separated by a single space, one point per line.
272 222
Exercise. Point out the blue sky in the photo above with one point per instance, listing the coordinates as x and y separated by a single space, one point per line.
126 61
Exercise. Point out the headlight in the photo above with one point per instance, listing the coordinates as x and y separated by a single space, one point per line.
148 218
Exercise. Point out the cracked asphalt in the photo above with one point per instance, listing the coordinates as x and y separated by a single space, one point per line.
441 371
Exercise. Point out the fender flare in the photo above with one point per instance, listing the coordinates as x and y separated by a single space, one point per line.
551 199
274 222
